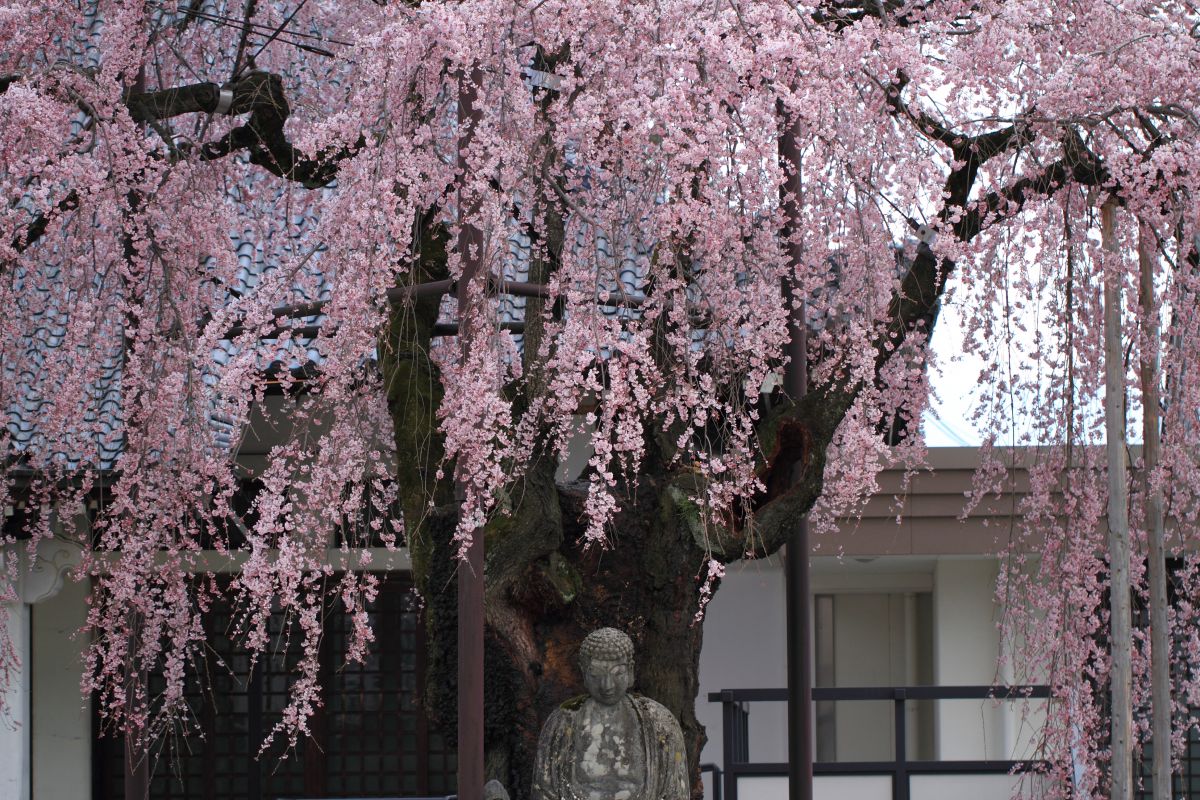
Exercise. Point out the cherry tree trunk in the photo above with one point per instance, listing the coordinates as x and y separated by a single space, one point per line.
545 593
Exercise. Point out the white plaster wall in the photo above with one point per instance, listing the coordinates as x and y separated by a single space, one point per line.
965 651
763 788
845 787
14 720
577 452
975 787
825 787
745 647
61 718
879 787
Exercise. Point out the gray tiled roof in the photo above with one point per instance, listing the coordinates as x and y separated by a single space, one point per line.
101 413
103 416
98 439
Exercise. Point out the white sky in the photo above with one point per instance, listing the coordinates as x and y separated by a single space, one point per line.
956 377
945 421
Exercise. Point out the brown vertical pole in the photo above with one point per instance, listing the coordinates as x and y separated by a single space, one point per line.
470 571
137 771
470 673
137 763
795 383
136 759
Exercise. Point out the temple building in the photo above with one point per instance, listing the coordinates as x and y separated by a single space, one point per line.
901 597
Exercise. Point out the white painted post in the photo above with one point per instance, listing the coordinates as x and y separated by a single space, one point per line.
40 579
1120 620
14 723
1160 669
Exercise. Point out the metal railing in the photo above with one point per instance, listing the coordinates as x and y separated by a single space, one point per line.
718 784
736 729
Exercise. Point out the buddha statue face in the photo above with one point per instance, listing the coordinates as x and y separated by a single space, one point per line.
606 659
607 681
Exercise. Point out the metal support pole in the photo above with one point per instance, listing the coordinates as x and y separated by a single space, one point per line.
137 747
470 673
729 713
470 571
795 381
137 771
900 773
799 651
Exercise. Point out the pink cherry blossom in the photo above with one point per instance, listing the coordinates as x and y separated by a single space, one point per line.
151 243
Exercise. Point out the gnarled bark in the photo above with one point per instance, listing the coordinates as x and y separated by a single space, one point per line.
545 592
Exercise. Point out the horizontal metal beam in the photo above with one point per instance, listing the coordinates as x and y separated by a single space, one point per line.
980 767
398 294
899 768
886 693
451 328
747 695
758 769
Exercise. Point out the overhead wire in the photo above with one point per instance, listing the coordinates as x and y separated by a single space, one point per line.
282 33
279 30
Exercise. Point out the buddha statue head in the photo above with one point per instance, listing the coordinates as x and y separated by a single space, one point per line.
606 660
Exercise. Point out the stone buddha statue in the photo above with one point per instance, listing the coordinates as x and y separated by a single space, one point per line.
610 744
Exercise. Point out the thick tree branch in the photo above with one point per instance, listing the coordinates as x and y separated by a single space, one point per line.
195 98
923 121
1078 166
259 94
970 153
841 14
796 436
262 96
36 229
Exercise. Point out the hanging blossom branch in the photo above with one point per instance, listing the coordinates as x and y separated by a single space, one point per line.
661 148
801 433
259 94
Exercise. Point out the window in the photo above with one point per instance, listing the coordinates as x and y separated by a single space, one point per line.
872 639
370 739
